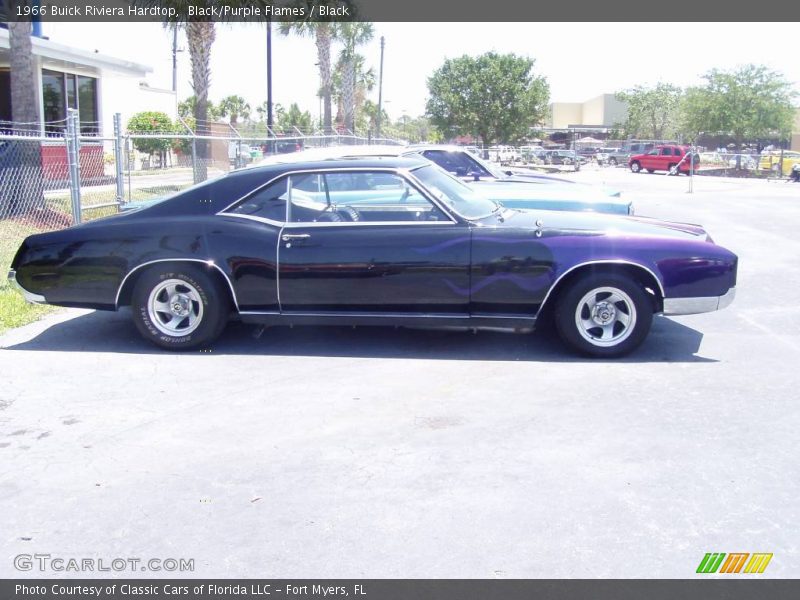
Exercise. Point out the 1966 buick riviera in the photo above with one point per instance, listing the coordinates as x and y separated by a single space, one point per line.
380 241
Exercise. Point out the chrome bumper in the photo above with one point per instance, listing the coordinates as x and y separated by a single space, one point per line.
29 296
694 306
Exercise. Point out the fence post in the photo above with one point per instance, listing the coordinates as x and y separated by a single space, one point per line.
195 176
118 157
73 163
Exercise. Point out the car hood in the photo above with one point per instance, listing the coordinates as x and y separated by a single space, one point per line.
567 222
551 196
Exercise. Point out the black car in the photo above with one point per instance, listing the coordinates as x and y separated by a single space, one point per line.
379 241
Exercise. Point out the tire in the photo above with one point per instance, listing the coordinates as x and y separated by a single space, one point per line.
179 306
582 309
636 167
612 162
670 168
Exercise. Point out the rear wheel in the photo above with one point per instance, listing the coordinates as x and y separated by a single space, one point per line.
604 315
179 307
671 169
636 167
612 161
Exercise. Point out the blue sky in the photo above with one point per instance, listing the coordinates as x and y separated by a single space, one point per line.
580 60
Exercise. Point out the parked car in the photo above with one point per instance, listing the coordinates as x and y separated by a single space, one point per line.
503 154
771 161
621 155
379 241
510 187
603 155
562 157
669 158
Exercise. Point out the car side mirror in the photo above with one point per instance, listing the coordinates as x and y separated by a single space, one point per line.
509 173
476 175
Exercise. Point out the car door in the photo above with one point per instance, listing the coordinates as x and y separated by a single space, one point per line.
370 242
650 160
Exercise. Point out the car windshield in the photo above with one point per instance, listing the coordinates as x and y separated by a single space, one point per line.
455 194
493 171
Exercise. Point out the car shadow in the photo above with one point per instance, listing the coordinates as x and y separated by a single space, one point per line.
669 341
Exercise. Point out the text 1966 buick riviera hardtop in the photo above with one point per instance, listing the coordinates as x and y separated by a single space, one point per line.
380 241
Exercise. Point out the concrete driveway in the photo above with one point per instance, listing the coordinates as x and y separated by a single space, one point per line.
337 452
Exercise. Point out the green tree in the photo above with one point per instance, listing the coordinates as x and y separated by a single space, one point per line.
294 117
234 107
653 112
748 103
494 96
186 109
152 123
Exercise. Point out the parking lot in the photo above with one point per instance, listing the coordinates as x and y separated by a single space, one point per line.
371 452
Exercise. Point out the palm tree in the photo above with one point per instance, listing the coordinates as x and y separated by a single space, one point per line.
352 35
235 107
364 83
23 191
200 35
323 33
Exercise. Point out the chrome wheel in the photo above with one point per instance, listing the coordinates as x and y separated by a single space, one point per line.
605 316
175 307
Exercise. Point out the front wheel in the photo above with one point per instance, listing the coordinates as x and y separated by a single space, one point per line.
604 316
179 307
612 162
636 167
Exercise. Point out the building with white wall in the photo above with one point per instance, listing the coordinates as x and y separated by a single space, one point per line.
96 84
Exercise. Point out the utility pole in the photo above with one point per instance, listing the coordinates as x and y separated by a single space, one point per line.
175 64
380 93
175 59
269 73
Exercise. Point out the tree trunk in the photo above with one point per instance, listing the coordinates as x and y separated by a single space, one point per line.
323 41
200 36
21 189
348 94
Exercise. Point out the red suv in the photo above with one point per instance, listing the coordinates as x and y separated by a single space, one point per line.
664 158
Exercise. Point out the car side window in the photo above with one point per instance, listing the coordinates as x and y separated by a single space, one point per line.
351 196
267 203
653 152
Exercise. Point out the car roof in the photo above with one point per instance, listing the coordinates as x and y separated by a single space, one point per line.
331 153
347 162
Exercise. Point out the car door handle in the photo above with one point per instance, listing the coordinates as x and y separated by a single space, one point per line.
291 237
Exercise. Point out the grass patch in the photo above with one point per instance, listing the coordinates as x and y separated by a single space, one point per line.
14 310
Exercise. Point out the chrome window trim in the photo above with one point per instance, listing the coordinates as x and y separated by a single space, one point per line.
610 261
401 172
207 262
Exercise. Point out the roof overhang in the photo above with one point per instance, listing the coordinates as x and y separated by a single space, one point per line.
51 51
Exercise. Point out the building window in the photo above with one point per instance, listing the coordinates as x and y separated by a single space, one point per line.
66 90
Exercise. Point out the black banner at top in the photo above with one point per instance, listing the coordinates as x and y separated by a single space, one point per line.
398 10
